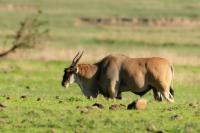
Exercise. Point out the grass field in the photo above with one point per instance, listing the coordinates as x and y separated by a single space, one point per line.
30 80
35 102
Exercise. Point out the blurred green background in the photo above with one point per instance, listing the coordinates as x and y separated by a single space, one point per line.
177 40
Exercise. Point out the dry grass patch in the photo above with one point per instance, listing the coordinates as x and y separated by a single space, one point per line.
17 7
94 54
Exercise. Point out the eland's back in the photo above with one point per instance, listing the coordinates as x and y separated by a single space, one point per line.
121 73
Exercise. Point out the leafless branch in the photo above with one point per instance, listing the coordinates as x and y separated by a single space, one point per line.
29 34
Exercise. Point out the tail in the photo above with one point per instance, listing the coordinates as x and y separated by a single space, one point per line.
169 95
171 86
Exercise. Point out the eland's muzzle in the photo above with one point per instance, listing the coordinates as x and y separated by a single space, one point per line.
63 84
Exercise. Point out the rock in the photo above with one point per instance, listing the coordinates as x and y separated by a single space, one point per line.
57 97
2 106
113 107
93 107
23 97
159 131
38 99
8 98
176 117
194 104
139 104
84 111
100 106
28 87
60 101
117 106
151 127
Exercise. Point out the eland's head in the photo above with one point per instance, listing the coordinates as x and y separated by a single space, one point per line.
71 71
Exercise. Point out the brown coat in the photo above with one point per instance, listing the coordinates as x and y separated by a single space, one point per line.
118 73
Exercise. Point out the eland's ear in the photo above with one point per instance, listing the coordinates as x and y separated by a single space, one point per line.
76 70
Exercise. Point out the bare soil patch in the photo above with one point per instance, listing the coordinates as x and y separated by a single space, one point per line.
86 109
48 54
128 21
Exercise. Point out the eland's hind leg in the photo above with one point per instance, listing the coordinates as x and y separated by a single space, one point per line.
164 89
157 95
161 90
119 95
168 96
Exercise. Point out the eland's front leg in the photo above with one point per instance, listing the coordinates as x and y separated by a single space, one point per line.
113 88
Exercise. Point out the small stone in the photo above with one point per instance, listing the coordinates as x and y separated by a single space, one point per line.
8 98
28 87
57 97
117 106
23 97
122 105
176 117
93 107
151 127
84 110
139 104
98 105
2 106
60 101
78 107
194 104
113 107
38 99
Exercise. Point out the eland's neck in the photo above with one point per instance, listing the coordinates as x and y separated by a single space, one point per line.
86 78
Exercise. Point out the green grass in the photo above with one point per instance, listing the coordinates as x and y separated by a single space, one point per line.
39 79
